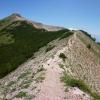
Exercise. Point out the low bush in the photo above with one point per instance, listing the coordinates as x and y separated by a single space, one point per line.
89 46
98 43
62 56
21 94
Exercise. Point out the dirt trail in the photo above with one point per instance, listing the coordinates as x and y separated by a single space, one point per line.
51 88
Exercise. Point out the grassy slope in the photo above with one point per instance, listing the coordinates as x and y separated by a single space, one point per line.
70 81
26 40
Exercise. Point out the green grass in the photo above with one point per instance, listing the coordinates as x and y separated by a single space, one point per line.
75 83
61 66
66 34
70 81
6 39
21 94
4 22
39 79
50 47
26 41
25 74
25 83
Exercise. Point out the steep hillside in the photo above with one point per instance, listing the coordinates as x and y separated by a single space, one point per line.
19 41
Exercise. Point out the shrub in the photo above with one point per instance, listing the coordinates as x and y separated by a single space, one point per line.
89 46
25 83
21 94
62 55
98 43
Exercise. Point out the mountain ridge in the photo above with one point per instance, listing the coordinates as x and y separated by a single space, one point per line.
57 65
15 17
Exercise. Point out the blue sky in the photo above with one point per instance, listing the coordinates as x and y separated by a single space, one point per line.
78 14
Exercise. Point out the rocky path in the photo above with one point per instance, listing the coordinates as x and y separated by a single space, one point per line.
51 88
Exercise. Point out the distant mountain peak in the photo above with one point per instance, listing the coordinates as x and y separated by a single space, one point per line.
16 15
13 16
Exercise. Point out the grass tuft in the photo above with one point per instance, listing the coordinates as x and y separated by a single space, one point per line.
21 94
69 81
